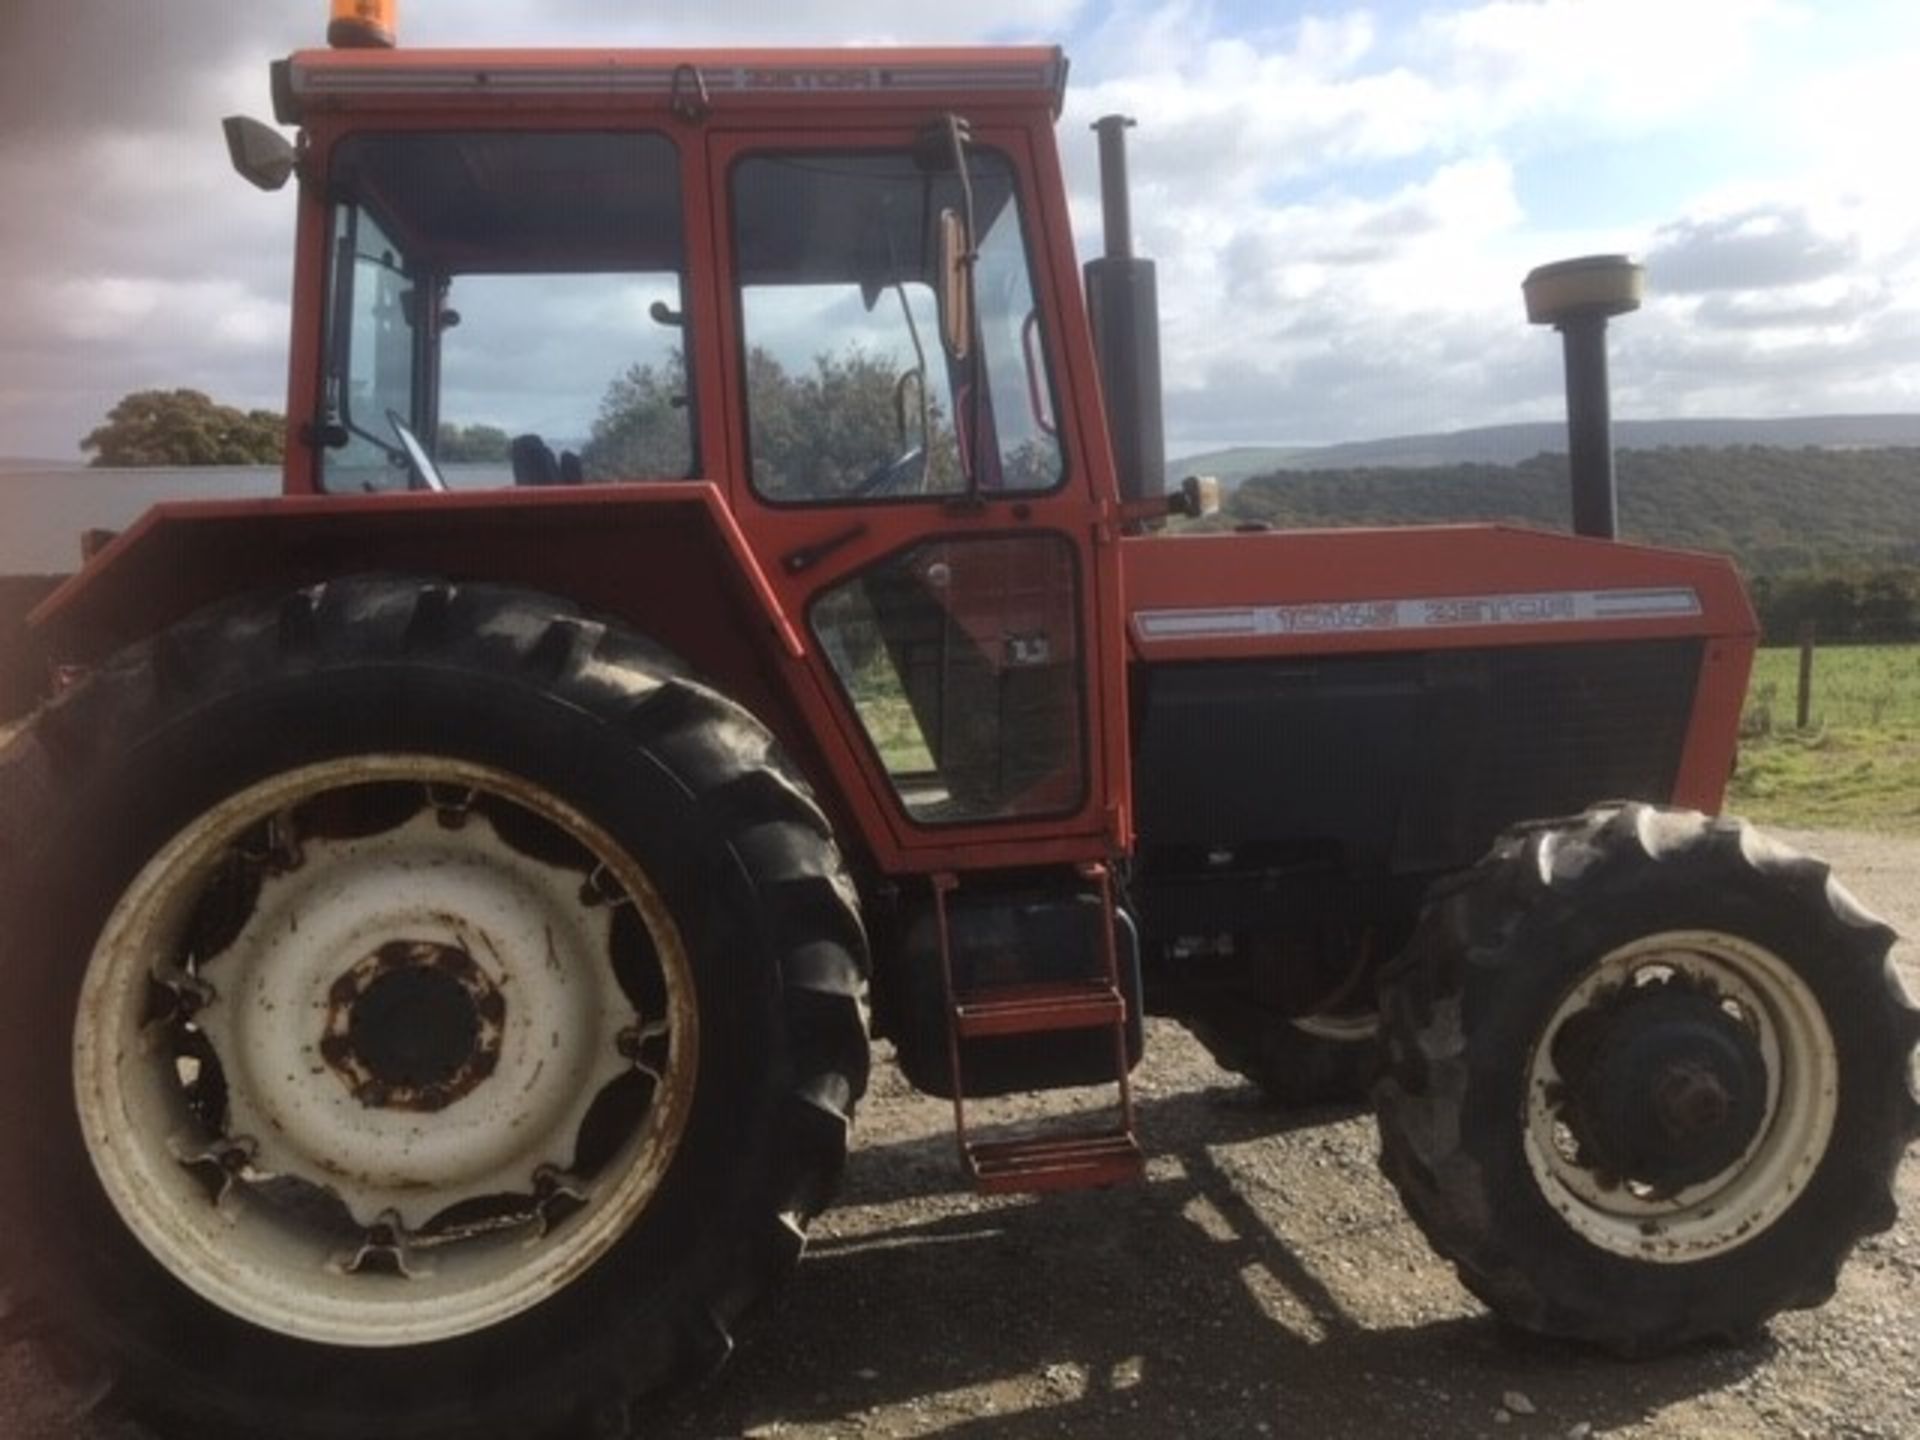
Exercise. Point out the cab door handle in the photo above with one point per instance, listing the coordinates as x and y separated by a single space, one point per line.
794 562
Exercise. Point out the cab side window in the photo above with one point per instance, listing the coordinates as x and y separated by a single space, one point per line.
850 394
960 658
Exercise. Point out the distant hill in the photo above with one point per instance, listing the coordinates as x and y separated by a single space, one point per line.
1510 444
1775 509
1242 462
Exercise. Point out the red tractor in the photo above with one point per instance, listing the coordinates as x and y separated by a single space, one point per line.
439 906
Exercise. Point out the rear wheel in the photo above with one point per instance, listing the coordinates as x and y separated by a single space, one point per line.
1646 1078
434 1015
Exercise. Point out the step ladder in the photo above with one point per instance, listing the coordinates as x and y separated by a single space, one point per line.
1056 1159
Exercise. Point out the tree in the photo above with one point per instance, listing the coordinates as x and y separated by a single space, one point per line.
643 426
1889 604
1878 604
184 427
823 432
472 444
1777 511
832 430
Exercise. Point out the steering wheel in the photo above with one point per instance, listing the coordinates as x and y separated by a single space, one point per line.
905 473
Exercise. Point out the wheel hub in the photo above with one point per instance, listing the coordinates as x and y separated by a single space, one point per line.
416 1025
1680 1096
1676 1092
366 990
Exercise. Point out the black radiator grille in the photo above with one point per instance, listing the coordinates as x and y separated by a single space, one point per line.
1576 724
1414 759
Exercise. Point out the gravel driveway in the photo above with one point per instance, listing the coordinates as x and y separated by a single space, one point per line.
1263 1282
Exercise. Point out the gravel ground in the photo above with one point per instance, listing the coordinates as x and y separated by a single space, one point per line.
1263 1282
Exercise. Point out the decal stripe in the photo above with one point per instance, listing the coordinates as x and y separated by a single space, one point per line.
1450 612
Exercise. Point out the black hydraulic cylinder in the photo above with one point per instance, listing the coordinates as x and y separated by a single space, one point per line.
1590 427
1123 302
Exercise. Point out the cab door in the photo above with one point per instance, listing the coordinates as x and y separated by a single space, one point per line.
908 487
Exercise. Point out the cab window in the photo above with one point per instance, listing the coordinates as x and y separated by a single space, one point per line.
506 309
959 657
850 394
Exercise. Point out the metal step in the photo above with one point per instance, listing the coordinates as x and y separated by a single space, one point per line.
1037 1009
1038 1163
1032 1163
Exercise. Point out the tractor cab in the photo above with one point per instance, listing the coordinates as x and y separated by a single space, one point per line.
835 287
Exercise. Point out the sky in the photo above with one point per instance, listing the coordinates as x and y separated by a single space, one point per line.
1342 200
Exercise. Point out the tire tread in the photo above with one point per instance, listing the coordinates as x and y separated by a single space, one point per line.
1465 943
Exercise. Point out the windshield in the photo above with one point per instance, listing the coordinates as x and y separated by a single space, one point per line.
516 301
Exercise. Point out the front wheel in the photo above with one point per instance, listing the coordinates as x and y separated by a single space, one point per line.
1646 1078
433 1014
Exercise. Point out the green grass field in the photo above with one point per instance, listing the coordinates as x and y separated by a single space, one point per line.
1857 764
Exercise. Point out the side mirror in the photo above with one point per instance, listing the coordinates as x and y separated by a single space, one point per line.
263 156
956 285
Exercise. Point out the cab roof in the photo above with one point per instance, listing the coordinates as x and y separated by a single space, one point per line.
976 77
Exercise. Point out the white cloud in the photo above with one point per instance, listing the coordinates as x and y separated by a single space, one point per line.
101 307
1759 248
1342 224
1615 64
1221 114
1860 114
1336 92
1348 316
808 22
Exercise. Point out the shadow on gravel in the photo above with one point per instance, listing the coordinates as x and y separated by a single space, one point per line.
1118 1314
884 1173
1173 1310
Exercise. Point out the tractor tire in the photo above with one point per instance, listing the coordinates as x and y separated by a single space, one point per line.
1646 1078
1295 1062
431 1013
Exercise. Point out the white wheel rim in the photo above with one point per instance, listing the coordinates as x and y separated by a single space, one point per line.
1758 992
411 1023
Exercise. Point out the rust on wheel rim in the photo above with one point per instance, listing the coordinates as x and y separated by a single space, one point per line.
416 1025
1680 1096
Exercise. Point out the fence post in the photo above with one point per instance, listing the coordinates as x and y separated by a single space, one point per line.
1803 714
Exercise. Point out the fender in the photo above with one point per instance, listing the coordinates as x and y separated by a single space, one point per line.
666 558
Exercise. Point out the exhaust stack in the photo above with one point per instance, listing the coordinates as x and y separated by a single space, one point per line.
1123 302
1577 298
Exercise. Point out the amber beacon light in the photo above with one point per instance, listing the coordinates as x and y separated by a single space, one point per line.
362 24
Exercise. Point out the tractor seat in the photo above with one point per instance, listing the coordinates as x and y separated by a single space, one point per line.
534 462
